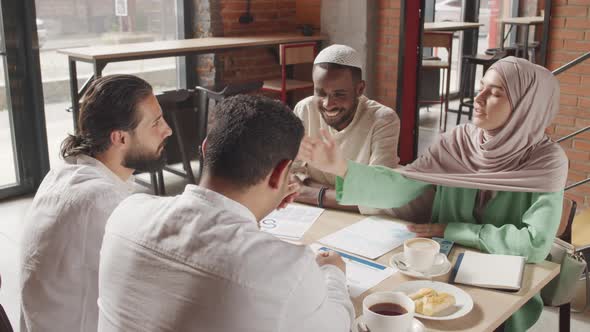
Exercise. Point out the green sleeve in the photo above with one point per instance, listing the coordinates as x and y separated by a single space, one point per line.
376 186
532 240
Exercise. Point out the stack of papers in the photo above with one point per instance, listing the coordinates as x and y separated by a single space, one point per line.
291 222
371 237
361 274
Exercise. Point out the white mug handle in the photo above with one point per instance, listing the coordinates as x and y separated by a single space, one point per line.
440 259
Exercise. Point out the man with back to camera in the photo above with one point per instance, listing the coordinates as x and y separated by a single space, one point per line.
120 130
365 130
198 261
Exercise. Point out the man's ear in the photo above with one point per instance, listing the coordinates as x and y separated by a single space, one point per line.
279 174
119 138
204 147
360 87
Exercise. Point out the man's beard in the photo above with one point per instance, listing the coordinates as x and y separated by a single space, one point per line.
142 161
344 121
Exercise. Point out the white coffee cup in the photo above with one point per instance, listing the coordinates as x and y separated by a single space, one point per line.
386 302
421 254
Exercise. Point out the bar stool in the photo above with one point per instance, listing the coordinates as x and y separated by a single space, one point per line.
467 88
532 49
439 39
509 50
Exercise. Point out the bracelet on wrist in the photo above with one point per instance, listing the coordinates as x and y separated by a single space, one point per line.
321 195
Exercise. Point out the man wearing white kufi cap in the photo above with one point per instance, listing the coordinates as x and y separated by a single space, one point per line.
366 131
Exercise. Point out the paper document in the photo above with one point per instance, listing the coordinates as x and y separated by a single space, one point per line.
370 237
291 222
361 274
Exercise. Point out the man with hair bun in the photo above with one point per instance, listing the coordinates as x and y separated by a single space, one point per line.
120 130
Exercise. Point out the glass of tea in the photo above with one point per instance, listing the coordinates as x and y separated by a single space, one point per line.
388 311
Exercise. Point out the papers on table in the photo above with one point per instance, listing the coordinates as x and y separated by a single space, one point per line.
361 274
370 237
291 222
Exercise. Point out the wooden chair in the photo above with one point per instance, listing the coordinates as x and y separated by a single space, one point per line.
564 232
440 39
291 54
5 325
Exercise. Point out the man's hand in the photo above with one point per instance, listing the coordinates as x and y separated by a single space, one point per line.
332 258
307 194
323 153
292 192
428 230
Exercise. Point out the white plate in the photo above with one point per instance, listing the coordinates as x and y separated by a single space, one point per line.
435 271
463 301
417 325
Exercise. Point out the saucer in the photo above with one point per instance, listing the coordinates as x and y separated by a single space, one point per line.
435 270
417 325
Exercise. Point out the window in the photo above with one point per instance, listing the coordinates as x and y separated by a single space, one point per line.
80 23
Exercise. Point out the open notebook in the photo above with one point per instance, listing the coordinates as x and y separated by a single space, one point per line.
489 271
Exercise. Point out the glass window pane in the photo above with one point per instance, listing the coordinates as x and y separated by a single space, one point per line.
79 23
7 160
450 11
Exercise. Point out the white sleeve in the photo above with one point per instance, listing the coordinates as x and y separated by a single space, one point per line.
320 302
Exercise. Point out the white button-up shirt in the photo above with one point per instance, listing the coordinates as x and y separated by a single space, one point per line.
61 244
198 262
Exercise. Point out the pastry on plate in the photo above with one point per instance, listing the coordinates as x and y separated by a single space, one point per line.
432 305
430 302
421 293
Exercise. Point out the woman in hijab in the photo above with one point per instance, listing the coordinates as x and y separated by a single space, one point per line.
498 182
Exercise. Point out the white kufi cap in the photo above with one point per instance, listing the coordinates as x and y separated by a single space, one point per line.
339 54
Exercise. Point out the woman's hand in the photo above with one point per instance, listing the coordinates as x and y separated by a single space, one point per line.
428 230
323 153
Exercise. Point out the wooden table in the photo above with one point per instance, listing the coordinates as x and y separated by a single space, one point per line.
491 307
526 22
451 26
100 56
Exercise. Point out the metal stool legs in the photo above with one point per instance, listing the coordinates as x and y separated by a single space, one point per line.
466 90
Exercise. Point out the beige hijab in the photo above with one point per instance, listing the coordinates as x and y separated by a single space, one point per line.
518 157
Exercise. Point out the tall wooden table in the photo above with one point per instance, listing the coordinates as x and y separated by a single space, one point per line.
101 56
525 22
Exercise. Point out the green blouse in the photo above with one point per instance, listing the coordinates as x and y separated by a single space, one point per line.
513 223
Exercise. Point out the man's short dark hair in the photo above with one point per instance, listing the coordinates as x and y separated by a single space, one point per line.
357 73
250 136
109 104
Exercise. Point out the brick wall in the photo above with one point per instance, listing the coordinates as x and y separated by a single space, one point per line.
206 25
270 16
387 51
570 38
